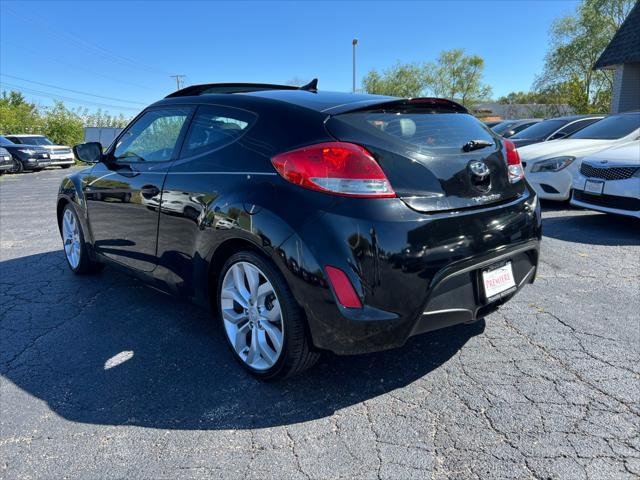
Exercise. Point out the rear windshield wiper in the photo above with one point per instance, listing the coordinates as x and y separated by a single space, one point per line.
472 145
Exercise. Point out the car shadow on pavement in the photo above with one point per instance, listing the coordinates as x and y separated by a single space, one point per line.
593 228
104 349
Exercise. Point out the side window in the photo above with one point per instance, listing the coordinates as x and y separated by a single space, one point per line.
519 128
214 127
575 126
153 136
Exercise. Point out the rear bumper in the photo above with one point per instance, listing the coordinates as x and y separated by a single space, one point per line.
413 272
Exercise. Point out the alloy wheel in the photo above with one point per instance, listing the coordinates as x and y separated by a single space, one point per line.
71 238
252 316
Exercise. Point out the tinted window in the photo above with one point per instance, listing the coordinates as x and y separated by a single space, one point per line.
610 128
519 128
503 127
214 127
153 136
4 141
540 130
575 126
439 132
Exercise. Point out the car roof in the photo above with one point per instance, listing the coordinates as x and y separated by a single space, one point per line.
325 102
321 101
20 135
570 118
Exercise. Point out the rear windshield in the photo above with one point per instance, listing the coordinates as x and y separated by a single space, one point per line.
541 130
425 133
610 128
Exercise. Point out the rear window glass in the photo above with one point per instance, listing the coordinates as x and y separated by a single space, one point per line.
610 128
426 133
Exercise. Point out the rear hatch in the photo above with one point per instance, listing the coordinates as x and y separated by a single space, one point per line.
420 145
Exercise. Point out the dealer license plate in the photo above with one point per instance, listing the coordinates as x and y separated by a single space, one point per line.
497 280
593 187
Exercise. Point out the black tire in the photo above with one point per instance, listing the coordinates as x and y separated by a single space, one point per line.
296 354
18 167
86 264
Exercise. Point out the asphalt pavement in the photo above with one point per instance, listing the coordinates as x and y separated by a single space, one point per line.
102 377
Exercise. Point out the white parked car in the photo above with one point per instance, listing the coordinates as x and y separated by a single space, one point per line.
61 155
550 167
609 181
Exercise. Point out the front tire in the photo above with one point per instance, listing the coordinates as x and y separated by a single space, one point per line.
75 248
18 167
264 326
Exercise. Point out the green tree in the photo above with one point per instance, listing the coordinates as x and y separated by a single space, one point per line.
63 126
17 115
457 76
576 44
528 97
102 118
400 80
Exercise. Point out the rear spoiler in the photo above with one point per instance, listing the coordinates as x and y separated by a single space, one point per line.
195 90
400 105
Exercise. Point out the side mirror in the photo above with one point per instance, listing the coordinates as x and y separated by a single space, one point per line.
508 133
88 152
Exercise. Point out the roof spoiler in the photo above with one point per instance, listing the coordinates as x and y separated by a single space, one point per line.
195 90
419 104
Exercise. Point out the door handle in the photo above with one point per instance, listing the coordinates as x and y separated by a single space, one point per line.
149 191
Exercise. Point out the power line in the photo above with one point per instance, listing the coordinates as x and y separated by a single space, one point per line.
83 44
71 90
52 59
77 101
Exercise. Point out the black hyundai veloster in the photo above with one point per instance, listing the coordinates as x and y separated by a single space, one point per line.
310 221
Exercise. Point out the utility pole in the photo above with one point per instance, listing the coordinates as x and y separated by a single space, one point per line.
179 80
354 42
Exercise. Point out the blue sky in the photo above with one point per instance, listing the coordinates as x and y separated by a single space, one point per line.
125 51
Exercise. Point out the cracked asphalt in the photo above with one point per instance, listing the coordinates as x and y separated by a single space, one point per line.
102 377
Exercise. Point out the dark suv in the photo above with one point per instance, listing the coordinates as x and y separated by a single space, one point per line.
308 220
26 157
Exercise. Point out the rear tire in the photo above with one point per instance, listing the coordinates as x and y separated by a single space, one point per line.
260 316
74 246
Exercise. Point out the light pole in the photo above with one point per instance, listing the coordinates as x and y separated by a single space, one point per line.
354 42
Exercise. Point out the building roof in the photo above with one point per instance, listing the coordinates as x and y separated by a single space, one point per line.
625 44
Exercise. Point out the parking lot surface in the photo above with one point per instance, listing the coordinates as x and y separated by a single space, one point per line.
102 377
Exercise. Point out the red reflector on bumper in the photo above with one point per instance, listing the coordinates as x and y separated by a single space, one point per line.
347 296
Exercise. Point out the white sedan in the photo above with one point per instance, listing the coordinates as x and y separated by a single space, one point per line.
550 167
609 181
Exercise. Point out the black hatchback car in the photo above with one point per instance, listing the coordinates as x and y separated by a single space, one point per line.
308 220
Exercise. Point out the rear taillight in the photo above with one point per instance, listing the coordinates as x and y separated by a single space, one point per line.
334 167
516 172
